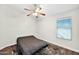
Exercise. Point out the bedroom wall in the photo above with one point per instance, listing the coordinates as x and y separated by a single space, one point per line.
47 30
14 24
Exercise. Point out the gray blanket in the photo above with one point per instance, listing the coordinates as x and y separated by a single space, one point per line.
29 45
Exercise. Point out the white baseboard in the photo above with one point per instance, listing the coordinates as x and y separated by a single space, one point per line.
75 50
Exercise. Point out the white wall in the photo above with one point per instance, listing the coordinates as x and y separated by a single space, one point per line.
47 30
13 25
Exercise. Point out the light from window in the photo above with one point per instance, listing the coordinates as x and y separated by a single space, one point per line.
64 28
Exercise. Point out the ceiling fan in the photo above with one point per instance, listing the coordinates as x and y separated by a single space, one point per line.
37 11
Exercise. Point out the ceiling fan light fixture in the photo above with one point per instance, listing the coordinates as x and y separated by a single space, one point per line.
36 12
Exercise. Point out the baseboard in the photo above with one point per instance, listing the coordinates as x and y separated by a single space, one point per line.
63 46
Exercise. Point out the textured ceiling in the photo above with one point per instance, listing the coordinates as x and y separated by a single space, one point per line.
50 9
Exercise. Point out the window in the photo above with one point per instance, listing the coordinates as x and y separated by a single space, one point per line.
64 28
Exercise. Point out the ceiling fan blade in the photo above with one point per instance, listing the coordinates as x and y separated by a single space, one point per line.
29 14
42 14
27 9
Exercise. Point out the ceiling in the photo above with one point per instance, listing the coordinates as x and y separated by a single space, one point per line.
49 9
52 9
